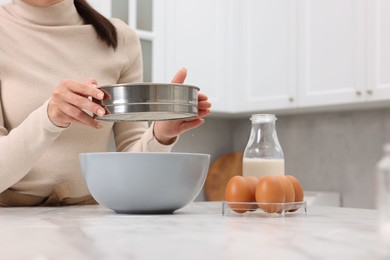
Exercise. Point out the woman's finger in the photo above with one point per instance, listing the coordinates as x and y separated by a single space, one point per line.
204 104
202 97
180 76
75 114
75 93
82 103
82 89
71 102
188 125
203 113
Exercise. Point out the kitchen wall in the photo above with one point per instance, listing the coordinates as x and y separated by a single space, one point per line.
213 137
332 151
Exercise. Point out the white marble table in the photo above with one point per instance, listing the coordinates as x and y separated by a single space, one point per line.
198 231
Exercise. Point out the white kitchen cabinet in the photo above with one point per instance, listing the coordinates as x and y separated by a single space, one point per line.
195 36
267 61
378 59
266 55
344 52
332 52
283 54
241 53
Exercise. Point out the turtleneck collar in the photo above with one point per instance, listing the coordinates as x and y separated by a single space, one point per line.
59 14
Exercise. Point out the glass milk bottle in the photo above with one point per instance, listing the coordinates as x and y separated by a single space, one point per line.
383 195
263 154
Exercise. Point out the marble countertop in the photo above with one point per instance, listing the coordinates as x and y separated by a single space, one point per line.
198 231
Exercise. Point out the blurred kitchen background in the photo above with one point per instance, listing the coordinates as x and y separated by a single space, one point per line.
323 67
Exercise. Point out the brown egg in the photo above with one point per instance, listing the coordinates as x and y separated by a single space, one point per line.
253 181
288 188
270 190
297 188
238 190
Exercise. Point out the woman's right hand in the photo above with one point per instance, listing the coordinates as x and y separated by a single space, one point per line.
68 101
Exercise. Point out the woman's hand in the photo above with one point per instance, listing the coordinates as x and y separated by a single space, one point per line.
167 131
69 100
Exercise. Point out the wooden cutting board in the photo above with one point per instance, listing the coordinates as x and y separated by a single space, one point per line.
220 172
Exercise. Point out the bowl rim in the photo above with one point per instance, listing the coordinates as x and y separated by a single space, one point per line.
144 153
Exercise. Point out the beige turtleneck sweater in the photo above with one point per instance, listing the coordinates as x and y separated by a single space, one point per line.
40 46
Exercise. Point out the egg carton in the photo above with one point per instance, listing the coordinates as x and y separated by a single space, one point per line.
263 209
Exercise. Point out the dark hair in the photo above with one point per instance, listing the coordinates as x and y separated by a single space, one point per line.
104 28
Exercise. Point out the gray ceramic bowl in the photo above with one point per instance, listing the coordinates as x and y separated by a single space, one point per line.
144 183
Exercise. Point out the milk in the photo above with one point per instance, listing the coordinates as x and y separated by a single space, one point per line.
262 167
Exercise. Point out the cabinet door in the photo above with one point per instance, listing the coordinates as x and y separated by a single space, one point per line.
378 50
268 40
195 38
332 52
142 20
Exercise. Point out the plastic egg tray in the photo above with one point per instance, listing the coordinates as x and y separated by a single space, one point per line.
263 209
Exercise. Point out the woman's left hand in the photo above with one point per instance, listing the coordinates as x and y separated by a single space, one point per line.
167 131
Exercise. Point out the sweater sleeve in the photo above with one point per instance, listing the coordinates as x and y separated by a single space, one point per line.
134 136
21 148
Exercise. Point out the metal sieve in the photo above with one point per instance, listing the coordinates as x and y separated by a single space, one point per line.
148 102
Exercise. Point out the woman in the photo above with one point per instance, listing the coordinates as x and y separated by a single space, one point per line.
53 54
